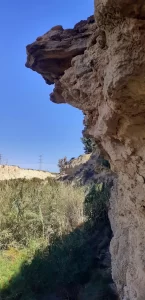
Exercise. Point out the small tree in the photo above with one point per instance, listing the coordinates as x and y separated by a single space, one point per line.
62 163
89 144
96 202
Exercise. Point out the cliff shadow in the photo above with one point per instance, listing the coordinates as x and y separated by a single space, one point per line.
74 266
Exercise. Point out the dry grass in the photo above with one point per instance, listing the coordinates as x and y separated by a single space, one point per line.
34 209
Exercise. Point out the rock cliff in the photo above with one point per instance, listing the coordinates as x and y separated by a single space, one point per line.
99 67
86 170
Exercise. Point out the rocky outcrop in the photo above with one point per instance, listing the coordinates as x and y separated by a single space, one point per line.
74 165
86 170
99 67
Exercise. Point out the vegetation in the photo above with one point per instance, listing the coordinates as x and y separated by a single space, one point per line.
36 209
49 240
89 144
105 163
62 163
96 203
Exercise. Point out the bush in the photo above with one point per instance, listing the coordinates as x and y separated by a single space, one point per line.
96 202
66 264
87 174
63 248
89 145
34 209
105 163
62 163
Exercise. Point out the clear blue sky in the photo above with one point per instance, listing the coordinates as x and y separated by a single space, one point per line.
30 124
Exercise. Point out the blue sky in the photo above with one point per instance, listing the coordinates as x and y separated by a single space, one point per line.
30 124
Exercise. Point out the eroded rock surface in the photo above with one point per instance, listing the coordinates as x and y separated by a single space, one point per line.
99 67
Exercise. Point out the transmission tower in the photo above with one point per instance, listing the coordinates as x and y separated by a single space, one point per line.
40 162
0 159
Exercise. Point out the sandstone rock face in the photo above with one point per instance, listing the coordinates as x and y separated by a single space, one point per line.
99 67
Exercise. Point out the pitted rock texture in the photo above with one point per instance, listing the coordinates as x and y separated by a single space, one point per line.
52 53
99 67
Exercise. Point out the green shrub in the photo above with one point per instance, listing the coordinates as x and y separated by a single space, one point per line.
67 261
89 144
104 162
34 209
96 202
52 224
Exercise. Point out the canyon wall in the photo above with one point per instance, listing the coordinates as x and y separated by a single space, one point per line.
99 67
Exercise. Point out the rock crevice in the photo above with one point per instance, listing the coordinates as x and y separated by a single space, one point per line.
99 67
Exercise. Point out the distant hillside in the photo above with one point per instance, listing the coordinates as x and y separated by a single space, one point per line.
14 172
